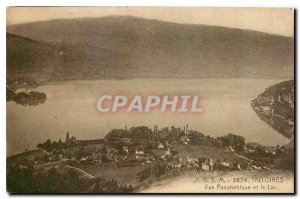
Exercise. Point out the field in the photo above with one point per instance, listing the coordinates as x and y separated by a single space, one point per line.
26 156
124 175
205 151
94 146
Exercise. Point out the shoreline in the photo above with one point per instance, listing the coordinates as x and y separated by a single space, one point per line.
267 121
63 81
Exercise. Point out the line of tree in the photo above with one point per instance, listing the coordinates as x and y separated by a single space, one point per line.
25 180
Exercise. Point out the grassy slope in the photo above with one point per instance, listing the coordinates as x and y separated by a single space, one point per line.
31 154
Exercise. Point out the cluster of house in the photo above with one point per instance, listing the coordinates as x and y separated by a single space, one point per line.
265 157
255 148
265 106
205 164
139 156
129 153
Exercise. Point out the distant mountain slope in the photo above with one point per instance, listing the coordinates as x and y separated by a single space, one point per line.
28 57
31 62
124 47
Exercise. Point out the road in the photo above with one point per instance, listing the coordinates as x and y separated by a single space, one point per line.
82 171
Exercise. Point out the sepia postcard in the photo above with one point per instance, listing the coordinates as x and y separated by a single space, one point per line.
150 100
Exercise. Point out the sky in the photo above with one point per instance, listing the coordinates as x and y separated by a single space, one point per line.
278 21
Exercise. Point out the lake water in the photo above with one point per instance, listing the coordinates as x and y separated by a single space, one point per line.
71 106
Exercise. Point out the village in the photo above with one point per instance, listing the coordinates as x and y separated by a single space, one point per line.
170 151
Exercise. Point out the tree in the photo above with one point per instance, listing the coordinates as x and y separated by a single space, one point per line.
67 137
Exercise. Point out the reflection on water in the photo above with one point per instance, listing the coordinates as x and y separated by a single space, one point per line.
71 106
25 98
